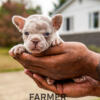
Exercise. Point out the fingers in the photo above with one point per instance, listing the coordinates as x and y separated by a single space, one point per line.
69 89
38 79
56 50
92 81
26 71
27 57
39 70
77 89
45 85
30 60
38 83
10 53
44 61
30 74
59 88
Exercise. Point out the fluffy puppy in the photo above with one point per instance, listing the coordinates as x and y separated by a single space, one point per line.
39 33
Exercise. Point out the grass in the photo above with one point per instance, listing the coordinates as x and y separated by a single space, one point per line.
94 48
7 63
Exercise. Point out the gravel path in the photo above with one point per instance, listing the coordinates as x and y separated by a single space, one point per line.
18 86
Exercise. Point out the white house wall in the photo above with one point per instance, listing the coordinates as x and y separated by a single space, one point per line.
80 13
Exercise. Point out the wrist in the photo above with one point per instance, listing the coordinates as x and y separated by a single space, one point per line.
94 65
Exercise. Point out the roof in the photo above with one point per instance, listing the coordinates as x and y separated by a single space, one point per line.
66 4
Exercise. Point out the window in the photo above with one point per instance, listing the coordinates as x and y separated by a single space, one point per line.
94 20
69 23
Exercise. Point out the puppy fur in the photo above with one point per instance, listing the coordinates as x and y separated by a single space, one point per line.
39 33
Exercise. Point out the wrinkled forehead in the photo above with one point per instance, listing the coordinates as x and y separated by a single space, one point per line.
38 24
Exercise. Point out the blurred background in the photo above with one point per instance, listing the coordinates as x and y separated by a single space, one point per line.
81 22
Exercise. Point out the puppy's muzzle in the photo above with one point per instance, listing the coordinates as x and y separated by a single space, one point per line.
35 42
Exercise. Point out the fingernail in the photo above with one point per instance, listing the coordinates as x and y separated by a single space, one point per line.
26 71
34 75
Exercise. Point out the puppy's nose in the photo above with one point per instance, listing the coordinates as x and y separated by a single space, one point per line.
36 41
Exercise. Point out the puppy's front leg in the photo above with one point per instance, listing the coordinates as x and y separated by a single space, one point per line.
17 50
57 40
50 81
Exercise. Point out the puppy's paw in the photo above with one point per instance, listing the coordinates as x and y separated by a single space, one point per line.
17 50
80 79
57 41
50 81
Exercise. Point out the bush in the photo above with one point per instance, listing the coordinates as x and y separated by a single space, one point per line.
94 48
9 35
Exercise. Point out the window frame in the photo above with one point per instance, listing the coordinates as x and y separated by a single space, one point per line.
92 20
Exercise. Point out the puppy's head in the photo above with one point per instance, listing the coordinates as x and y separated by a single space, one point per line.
38 31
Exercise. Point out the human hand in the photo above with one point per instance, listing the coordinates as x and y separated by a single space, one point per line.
89 87
68 60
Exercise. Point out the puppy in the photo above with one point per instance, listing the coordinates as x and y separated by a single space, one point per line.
39 33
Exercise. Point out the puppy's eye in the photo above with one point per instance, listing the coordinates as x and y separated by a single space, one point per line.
46 34
26 33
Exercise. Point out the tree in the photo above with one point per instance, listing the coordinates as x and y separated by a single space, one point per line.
61 2
57 6
9 35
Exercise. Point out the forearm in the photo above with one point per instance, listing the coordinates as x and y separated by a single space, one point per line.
93 60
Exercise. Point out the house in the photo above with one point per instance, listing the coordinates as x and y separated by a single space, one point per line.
81 21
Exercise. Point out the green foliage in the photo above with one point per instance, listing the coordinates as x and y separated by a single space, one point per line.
9 35
61 2
11 70
94 48
3 11
4 51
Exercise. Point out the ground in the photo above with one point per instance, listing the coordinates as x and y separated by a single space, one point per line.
7 63
18 86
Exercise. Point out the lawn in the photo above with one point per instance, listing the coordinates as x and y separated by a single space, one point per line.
94 48
7 63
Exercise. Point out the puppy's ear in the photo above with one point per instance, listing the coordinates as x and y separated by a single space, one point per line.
57 21
19 22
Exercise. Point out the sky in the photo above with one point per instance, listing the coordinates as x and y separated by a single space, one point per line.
46 5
